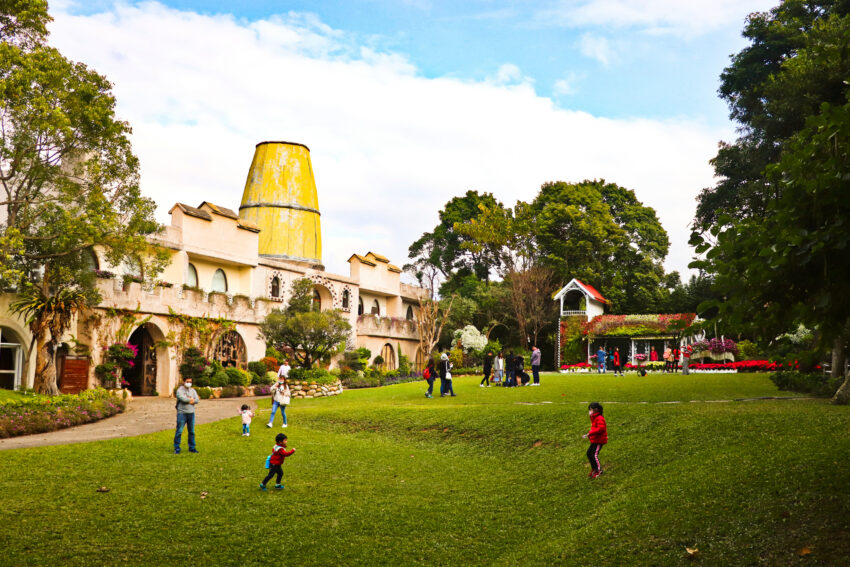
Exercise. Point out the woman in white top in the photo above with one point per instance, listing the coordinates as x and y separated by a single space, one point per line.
498 368
280 394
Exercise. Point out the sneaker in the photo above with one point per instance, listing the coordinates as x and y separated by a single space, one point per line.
269 425
262 486
176 451
594 474
454 396
247 435
480 385
428 396
278 487
284 425
193 450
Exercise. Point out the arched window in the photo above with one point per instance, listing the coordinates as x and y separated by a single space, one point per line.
90 260
346 299
11 359
388 355
376 308
360 308
191 276
219 281
275 286
409 313
317 300
230 350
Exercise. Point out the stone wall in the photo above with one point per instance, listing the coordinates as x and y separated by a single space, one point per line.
300 390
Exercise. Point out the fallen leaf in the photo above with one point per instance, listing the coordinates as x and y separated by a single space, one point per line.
537 443
692 551
204 495
805 551
102 489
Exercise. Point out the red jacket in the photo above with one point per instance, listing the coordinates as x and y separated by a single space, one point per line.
598 430
616 358
686 352
279 453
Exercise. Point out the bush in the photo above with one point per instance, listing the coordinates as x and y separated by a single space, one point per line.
258 367
271 377
271 363
749 350
379 360
456 357
467 370
219 379
272 352
232 391
317 375
806 383
262 390
39 414
237 377
204 393
356 359
194 364
356 380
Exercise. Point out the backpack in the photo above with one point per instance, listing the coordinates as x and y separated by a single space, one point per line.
426 374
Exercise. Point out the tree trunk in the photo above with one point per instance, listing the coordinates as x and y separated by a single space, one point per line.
838 357
45 369
842 396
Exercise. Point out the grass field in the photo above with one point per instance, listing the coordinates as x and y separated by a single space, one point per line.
492 477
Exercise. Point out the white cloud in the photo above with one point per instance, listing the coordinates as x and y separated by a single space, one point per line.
596 47
509 74
685 17
389 147
566 85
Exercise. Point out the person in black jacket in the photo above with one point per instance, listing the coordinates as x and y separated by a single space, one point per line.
522 378
444 367
488 367
510 369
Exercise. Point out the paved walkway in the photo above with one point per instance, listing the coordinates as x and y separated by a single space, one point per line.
144 415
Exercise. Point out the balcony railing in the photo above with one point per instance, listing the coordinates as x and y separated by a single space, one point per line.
571 312
395 327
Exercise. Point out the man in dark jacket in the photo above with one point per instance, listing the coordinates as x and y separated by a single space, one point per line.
510 370
488 367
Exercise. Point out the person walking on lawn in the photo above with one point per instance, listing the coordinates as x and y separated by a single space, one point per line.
618 369
488 367
187 399
445 376
600 360
430 375
687 350
535 364
499 368
598 436
279 454
281 396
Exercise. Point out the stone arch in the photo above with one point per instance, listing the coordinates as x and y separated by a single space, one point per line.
230 350
150 374
330 294
420 361
325 298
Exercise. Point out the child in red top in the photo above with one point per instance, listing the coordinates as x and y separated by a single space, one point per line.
279 453
598 436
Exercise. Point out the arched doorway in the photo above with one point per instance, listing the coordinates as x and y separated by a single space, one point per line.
11 359
420 360
230 350
142 376
388 354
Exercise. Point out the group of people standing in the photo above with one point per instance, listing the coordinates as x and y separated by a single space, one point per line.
509 371
673 355
609 359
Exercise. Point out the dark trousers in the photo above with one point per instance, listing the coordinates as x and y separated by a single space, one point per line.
535 370
430 386
486 380
274 470
511 379
593 456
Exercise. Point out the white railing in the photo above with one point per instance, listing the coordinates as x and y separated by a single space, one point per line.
569 313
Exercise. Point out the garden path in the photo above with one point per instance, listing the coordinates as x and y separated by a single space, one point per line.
144 415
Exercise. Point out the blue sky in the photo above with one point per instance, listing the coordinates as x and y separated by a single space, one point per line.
406 104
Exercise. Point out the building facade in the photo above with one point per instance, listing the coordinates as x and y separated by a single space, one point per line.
226 272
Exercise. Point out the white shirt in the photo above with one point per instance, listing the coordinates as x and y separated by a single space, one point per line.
284 370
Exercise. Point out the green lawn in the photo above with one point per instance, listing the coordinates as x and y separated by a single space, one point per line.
492 477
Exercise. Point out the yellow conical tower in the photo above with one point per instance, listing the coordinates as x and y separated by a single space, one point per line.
280 197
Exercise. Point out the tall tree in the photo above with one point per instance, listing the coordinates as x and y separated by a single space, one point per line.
311 334
68 182
442 248
784 261
600 233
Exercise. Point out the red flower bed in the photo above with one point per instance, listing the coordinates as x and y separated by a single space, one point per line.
743 366
579 365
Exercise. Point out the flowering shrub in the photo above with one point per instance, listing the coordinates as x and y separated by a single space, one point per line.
637 325
719 346
104 274
470 339
745 366
38 414
118 357
578 365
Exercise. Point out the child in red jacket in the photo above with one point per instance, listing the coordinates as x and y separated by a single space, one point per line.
598 436
279 453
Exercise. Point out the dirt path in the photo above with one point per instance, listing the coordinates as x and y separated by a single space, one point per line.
145 415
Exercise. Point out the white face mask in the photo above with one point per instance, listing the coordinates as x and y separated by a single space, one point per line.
188 384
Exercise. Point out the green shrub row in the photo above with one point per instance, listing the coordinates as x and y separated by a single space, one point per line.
39 414
818 384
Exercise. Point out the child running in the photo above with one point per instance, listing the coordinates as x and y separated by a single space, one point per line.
247 414
279 453
598 436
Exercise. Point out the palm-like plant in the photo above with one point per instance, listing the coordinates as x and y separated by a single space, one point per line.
48 317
